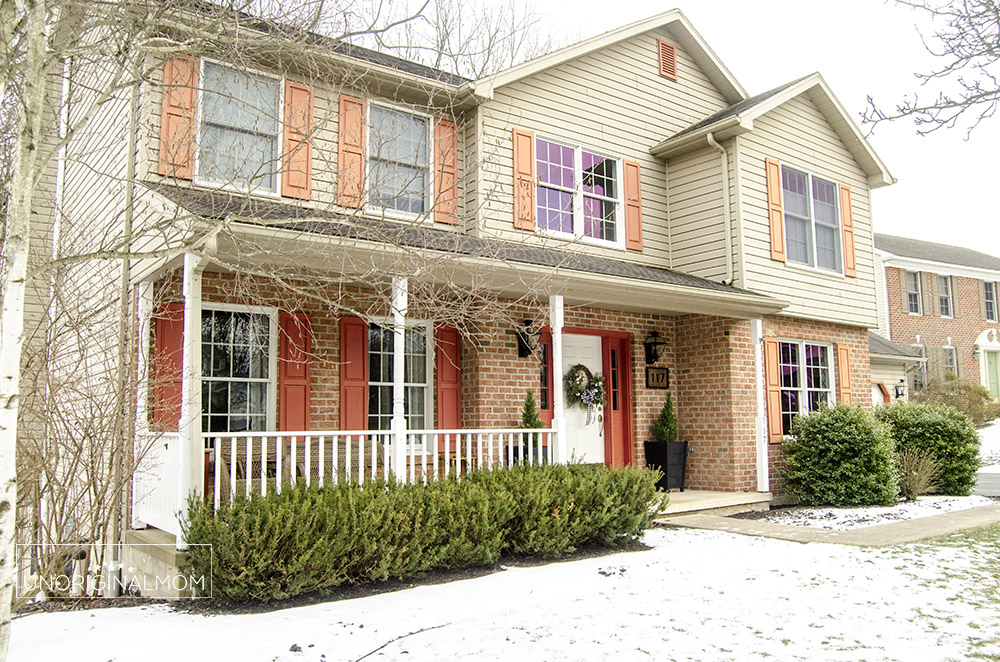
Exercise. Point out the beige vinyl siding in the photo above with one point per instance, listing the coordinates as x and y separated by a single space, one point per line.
613 100
697 227
797 134
889 373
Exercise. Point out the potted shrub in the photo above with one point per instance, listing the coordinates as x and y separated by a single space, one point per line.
664 452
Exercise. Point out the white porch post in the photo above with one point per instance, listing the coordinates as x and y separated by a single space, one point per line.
191 463
558 416
145 314
760 420
400 289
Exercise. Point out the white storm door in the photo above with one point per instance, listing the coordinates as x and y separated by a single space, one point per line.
585 441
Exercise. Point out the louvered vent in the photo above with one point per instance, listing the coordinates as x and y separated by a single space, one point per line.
668 60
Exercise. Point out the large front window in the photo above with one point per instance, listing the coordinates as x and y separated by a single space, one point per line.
236 383
579 193
806 380
812 220
398 160
238 137
416 377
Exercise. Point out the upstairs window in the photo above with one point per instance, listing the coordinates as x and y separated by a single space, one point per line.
914 301
946 306
399 172
812 220
806 379
990 300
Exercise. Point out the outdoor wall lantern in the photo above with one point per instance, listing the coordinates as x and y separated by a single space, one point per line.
901 389
527 340
976 351
654 346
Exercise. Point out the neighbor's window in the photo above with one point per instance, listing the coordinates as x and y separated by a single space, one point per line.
944 296
812 220
579 192
920 372
990 300
806 379
239 131
416 377
235 371
913 300
399 173
949 360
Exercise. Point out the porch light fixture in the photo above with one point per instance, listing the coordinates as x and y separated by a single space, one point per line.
527 340
654 347
900 389
976 351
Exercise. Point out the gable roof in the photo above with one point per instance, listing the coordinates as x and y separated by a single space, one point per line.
739 117
934 252
674 20
880 346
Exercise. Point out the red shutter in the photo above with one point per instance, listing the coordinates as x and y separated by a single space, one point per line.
545 384
168 362
524 179
633 206
775 212
445 172
293 371
843 374
353 374
772 386
296 166
667 55
847 225
351 166
180 94
448 366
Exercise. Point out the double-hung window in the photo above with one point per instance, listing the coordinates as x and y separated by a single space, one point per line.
578 192
914 302
806 379
239 129
949 360
417 374
920 372
399 160
237 372
990 300
946 306
812 220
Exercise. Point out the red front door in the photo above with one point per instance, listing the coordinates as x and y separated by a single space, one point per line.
617 410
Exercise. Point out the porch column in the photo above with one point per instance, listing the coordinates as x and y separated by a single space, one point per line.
191 459
558 416
760 420
400 289
145 315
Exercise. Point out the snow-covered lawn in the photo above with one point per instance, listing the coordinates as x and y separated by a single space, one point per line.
696 595
989 453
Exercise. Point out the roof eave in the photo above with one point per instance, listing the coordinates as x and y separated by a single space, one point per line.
689 142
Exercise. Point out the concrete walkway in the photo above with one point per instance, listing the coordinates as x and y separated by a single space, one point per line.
872 536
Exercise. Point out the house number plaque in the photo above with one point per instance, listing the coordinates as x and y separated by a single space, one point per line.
657 378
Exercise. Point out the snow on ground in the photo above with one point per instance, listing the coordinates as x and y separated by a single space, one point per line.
842 519
989 452
696 595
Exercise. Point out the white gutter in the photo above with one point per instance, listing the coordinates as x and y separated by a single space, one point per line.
726 212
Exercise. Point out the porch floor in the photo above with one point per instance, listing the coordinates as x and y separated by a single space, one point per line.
691 502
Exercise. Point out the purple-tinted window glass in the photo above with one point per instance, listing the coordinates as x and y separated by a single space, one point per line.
554 165
555 210
600 191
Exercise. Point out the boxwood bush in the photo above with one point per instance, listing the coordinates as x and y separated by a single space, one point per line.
313 539
841 456
942 432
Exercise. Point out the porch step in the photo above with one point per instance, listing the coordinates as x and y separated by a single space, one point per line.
707 502
151 561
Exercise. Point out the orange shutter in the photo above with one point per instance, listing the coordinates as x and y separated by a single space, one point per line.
772 386
293 371
843 374
775 213
545 383
353 374
351 166
445 172
633 206
296 165
667 55
847 223
168 361
448 361
524 179
177 119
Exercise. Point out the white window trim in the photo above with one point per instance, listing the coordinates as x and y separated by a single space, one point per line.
920 293
812 219
803 389
272 354
951 297
921 368
398 214
995 308
207 182
429 418
578 194
953 351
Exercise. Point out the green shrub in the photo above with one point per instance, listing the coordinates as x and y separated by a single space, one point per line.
942 431
973 400
841 456
314 539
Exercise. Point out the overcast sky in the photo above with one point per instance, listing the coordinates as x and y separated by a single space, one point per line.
947 185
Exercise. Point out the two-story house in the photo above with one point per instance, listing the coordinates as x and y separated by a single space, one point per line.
942 302
365 264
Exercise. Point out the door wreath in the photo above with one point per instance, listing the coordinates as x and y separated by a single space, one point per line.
584 389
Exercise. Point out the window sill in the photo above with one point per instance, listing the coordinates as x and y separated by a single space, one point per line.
229 188
816 271
579 239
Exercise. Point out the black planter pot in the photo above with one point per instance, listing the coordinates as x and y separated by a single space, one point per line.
670 457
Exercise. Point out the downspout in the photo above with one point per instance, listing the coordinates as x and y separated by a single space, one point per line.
724 160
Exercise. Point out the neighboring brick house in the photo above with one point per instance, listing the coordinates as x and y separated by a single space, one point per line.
624 195
942 302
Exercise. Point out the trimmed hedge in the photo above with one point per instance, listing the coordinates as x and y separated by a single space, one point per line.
942 432
312 539
841 456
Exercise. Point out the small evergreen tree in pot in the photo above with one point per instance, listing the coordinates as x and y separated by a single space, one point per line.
665 452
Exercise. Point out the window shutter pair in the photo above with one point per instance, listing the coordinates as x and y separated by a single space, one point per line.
525 181
177 128
776 219
354 375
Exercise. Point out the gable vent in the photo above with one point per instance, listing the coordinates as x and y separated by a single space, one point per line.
668 60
